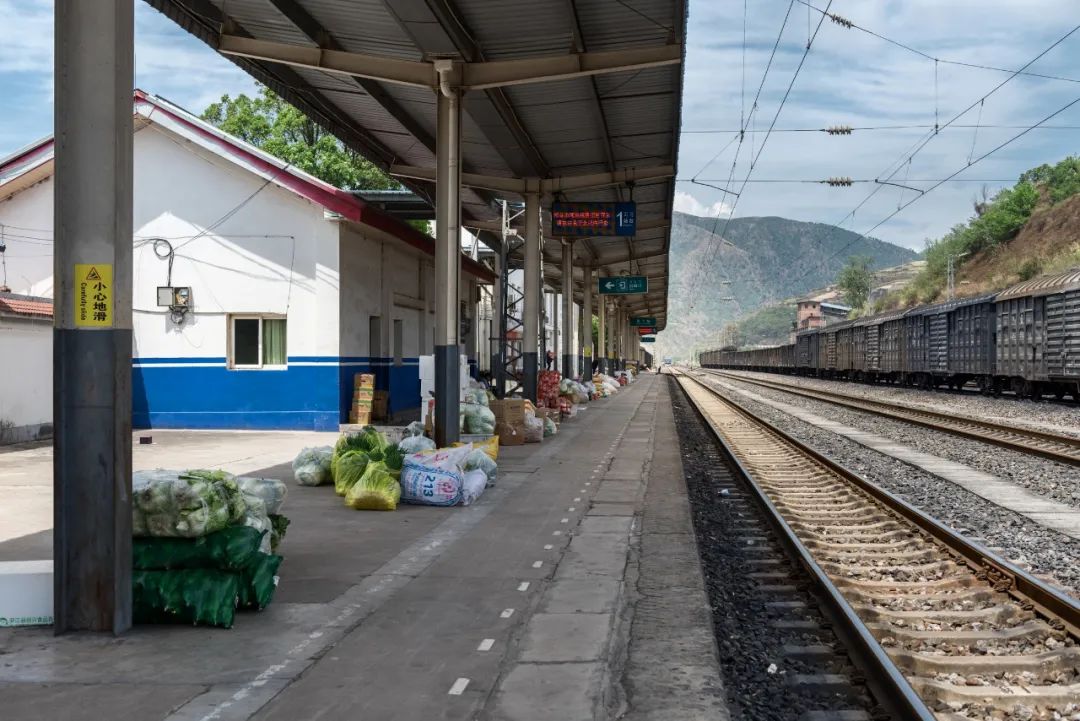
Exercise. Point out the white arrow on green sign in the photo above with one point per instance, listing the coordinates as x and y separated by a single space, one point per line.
624 285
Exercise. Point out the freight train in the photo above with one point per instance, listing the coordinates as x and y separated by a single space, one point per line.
1025 339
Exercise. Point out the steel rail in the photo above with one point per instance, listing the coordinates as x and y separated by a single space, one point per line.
1061 448
1048 601
886 681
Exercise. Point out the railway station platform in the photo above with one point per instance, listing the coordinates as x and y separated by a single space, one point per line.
571 590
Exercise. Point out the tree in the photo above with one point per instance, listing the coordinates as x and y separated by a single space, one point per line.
854 280
269 123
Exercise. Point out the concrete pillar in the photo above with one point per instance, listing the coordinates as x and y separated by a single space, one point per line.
556 327
586 320
447 267
92 335
568 308
601 334
532 291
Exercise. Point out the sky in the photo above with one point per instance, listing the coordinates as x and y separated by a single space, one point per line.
848 78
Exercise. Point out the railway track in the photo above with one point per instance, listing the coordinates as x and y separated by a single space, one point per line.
940 626
1057 447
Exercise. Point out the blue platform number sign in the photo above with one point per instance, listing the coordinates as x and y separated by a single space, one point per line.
648 340
592 219
624 285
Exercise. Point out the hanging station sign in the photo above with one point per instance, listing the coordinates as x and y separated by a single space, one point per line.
643 321
648 339
651 330
623 285
589 219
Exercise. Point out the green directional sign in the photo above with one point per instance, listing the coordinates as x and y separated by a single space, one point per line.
648 339
624 285
643 322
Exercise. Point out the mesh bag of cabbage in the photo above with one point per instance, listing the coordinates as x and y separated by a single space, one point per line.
229 549
257 584
194 596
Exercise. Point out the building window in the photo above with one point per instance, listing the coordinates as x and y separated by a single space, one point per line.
257 342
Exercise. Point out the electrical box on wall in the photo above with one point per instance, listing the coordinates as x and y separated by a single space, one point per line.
174 296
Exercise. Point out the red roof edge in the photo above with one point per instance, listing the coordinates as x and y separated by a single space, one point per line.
25 306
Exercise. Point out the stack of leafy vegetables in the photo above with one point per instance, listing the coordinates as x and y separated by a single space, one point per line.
366 469
200 545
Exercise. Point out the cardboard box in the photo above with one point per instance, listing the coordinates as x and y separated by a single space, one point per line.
510 435
364 380
380 405
510 410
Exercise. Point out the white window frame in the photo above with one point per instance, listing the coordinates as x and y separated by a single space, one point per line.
231 362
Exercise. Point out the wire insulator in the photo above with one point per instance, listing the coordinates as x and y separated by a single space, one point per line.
841 182
839 130
840 20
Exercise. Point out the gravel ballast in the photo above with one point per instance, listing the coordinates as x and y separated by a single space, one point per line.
1043 551
1041 476
1063 418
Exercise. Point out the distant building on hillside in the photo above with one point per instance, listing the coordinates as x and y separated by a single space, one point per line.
812 313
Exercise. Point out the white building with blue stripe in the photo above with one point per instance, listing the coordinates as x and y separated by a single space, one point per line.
259 291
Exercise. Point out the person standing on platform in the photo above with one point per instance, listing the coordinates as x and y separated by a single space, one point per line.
549 360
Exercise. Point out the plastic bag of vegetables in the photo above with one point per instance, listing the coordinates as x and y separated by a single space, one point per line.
478 419
348 469
415 444
368 441
257 581
311 467
478 460
184 504
256 517
550 428
270 490
377 490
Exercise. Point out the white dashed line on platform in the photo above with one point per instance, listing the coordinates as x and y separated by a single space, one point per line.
459 687
578 499
556 533
524 586
486 644
548 547
571 509
537 564
507 613
564 520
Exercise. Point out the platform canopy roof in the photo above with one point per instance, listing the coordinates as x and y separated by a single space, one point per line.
554 90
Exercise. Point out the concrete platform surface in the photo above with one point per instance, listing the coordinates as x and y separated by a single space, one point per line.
540 601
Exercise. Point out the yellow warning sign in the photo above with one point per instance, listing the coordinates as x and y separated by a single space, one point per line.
93 295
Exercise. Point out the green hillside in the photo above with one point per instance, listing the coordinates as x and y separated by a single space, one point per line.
765 259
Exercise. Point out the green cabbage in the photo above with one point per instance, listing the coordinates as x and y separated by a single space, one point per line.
350 468
377 490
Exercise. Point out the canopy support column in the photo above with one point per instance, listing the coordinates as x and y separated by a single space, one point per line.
447 266
92 338
568 308
533 279
586 351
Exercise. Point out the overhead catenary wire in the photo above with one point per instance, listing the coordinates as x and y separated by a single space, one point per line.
772 124
845 22
925 140
893 214
984 126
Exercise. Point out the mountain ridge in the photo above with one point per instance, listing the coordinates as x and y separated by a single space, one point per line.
765 258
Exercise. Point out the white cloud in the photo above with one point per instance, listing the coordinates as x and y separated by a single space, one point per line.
687 203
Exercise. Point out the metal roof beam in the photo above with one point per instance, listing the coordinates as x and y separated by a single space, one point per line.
547 185
496 226
473 76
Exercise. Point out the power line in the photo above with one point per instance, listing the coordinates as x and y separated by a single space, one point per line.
928 137
939 183
710 131
844 22
776 116
849 180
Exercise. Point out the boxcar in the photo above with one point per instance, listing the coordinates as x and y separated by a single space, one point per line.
972 337
1038 336
892 352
